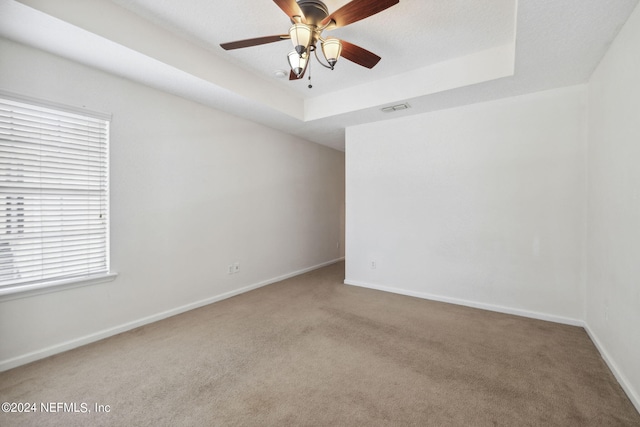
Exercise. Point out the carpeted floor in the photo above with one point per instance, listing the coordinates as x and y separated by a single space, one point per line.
312 351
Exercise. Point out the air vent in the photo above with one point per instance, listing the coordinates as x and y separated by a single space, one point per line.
395 108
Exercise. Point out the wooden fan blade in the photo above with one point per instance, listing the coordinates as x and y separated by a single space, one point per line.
292 75
290 7
253 42
356 10
358 55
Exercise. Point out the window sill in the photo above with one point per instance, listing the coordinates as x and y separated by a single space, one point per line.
29 290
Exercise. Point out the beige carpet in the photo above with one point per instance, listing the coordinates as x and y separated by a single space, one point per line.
312 351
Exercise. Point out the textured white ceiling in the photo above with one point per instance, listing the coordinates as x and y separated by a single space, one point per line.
409 35
174 46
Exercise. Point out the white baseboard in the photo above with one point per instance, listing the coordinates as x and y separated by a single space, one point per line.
87 339
633 395
474 304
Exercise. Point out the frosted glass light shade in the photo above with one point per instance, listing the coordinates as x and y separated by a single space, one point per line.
297 63
301 35
331 49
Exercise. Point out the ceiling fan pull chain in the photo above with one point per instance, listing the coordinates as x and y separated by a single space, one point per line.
310 85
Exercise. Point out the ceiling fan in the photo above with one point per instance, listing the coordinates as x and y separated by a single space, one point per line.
310 18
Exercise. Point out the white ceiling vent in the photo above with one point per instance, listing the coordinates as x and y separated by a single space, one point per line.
395 108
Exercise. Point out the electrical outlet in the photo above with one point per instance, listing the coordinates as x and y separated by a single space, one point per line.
236 266
373 265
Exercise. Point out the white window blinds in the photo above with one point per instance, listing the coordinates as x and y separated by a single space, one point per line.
53 195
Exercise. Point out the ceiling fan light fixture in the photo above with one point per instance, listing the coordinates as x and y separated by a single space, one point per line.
301 36
309 19
331 49
297 62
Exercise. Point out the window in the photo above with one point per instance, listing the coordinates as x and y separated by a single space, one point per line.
54 198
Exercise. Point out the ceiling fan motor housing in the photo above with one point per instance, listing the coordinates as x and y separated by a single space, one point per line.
314 11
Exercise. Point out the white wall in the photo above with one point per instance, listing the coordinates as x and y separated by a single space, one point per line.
481 205
613 238
192 190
